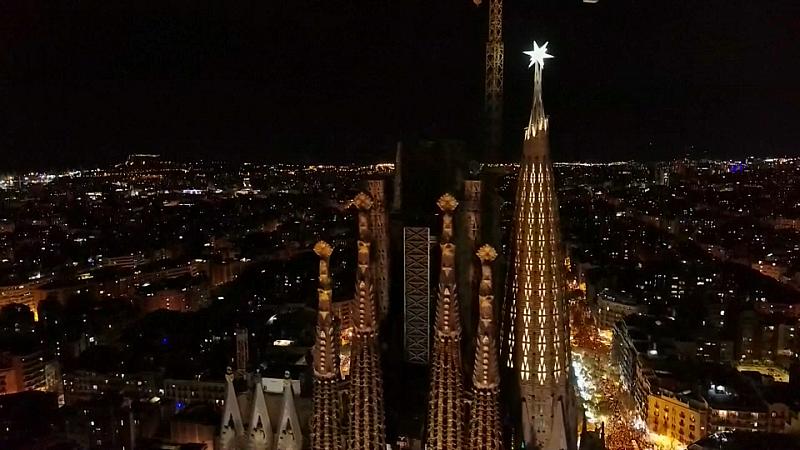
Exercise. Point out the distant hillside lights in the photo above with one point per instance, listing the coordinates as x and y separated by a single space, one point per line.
10 182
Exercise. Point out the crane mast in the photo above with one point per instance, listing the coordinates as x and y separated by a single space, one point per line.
494 79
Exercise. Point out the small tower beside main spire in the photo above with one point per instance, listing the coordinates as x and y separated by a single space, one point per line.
485 432
325 433
445 426
367 417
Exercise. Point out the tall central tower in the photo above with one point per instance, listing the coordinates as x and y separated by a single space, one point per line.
536 346
494 79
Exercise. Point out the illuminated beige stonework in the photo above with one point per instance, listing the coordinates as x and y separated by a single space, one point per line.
445 427
367 427
484 426
536 331
325 433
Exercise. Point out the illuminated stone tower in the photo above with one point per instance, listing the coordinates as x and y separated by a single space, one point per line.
484 426
537 347
494 78
367 426
379 222
445 426
325 433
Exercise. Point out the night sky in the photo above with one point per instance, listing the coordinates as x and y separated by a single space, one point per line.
87 82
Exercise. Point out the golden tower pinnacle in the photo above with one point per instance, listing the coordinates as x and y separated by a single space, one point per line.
484 427
325 433
367 422
445 426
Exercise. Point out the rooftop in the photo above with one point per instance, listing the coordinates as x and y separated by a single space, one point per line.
724 388
741 440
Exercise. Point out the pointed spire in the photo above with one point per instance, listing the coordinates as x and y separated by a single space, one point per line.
367 421
289 435
325 433
487 374
535 321
538 120
445 427
448 319
231 428
324 350
366 318
259 427
485 431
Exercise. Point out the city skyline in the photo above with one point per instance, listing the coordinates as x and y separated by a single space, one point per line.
242 83
690 269
299 227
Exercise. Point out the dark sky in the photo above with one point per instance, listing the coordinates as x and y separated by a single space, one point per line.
86 82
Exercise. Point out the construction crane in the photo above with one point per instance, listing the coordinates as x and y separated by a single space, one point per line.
494 78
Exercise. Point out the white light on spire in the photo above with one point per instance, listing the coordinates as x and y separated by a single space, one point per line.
538 54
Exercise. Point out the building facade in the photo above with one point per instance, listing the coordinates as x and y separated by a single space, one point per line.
612 307
677 417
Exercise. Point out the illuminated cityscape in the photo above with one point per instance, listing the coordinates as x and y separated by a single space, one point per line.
679 327
341 226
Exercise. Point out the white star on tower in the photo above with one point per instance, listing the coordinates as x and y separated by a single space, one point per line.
538 54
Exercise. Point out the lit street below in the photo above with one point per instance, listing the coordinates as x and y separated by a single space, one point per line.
602 396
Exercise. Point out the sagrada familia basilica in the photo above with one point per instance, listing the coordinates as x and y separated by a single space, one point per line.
521 356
